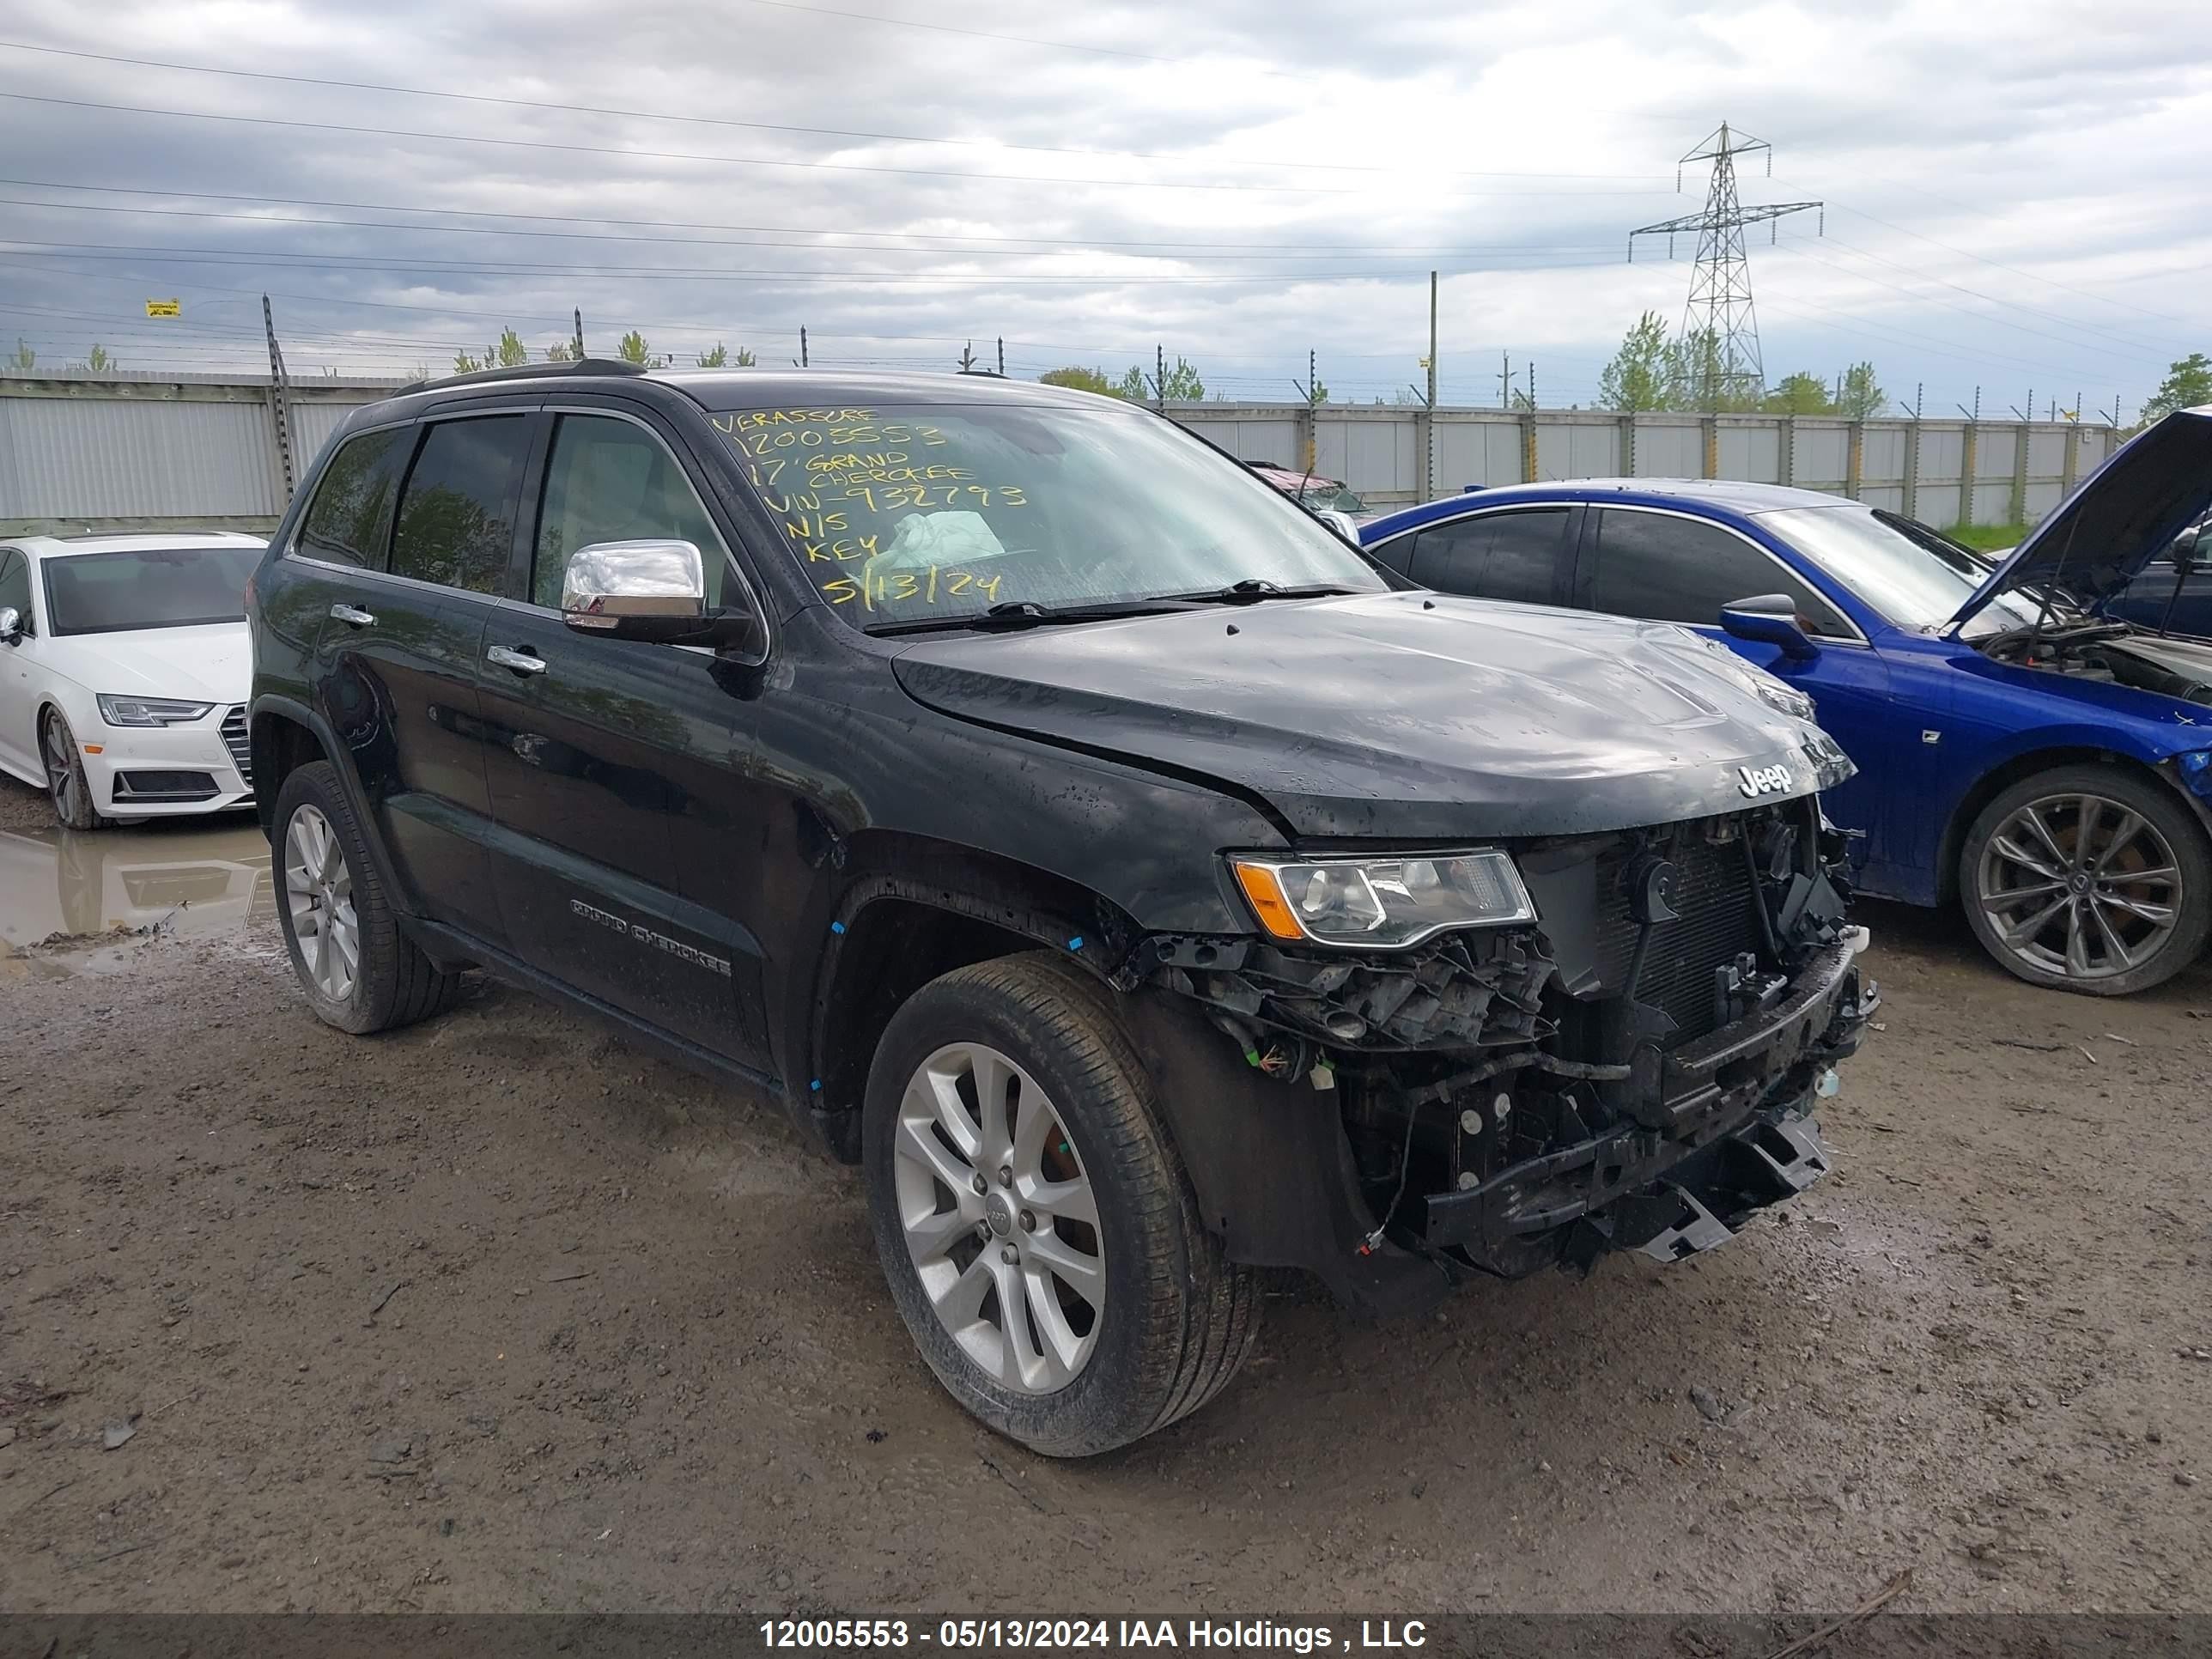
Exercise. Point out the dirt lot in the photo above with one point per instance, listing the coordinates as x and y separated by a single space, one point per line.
497 1314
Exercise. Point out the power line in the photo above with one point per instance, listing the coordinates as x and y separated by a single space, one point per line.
296 260
772 126
1408 248
1981 316
1346 252
748 160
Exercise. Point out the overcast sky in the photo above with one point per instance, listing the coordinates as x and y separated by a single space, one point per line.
2015 198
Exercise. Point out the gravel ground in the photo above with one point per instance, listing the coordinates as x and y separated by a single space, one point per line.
497 1314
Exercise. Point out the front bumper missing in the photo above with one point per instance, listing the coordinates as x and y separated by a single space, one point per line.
1733 1136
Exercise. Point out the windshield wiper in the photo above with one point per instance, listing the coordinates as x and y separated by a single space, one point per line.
1252 589
1011 614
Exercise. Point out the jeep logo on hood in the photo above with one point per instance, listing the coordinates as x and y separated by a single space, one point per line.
1757 780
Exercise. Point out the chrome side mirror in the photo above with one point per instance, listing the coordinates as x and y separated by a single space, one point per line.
611 584
11 624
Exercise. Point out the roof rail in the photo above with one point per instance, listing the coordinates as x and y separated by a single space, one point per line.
527 372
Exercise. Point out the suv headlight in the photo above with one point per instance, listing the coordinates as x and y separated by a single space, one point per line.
1382 903
118 710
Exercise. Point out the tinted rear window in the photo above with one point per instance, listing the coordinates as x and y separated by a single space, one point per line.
152 587
351 519
457 515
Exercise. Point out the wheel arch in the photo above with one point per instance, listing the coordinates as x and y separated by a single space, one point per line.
913 908
280 739
2025 764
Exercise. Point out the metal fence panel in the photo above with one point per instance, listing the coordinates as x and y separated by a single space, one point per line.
1939 504
1752 453
1824 456
1881 452
1992 503
1669 449
123 458
113 452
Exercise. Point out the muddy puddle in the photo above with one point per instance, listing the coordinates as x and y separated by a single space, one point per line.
86 903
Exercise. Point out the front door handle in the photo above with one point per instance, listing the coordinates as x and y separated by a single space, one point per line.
354 614
522 662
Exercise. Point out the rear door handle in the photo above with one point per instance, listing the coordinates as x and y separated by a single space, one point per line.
354 614
522 662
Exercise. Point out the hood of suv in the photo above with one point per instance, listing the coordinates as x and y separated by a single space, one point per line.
1404 716
2157 486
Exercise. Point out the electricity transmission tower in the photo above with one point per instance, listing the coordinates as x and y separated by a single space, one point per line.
1720 332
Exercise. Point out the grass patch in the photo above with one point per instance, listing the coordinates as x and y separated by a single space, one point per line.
1988 538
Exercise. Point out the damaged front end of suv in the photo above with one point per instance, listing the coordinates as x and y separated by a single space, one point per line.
1623 1051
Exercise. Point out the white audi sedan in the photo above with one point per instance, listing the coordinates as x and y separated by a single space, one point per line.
123 667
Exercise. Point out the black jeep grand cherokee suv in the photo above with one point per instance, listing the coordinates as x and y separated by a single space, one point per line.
1070 829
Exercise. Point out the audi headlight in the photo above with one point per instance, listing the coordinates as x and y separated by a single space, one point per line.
118 710
1382 903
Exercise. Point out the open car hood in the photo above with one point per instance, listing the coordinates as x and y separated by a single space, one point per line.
2099 540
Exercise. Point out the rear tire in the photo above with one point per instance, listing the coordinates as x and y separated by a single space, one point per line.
357 967
67 786
2089 879
1169 1319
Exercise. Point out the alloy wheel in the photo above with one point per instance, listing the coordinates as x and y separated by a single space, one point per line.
2079 885
61 768
319 894
1000 1219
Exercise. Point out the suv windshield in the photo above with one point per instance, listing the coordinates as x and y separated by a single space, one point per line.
939 512
1915 580
149 587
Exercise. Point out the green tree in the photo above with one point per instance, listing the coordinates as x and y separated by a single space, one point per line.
1802 393
1184 385
1863 396
1320 390
561 351
510 352
1082 379
1636 377
2188 385
97 360
634 349
1701 380
718 357
25 358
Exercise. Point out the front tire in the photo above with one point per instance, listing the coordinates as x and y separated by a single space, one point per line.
1038 1233
66 785
2087 878
359 970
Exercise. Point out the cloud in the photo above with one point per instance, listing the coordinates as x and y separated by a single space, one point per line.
2010 208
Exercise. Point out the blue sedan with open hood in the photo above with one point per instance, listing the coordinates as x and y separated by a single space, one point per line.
2022 748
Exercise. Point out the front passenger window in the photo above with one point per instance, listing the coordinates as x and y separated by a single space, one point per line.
609 481
1661 568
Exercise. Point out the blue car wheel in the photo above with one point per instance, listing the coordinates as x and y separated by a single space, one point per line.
2088 879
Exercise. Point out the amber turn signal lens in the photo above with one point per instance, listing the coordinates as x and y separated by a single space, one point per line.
1266 896
94 748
